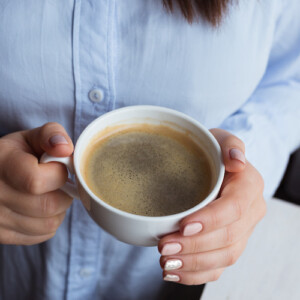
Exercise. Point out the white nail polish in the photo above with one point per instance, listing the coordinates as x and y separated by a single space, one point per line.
173 264
170 277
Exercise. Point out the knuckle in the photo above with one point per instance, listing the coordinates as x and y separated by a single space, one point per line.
48 205
52 224
238 208
193 246
215 275
229 235
231 257
34 184
196 263
214 219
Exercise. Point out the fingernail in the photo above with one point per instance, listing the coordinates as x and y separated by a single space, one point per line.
238 155
173 264
192 228
58 140
171 248
170 277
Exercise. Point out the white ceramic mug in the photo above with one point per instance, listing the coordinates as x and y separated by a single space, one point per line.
127 227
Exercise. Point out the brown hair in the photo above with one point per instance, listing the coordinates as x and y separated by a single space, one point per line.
211 11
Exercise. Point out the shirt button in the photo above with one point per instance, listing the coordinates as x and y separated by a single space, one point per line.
84 272
96 95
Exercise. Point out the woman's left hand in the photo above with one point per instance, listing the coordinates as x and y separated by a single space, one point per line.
214 237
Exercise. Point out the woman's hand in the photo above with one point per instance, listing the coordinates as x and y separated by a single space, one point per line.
214 237
31 206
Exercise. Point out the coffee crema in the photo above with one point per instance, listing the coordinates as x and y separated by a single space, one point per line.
148 170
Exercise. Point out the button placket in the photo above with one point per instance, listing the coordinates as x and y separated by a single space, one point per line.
92 69
85 272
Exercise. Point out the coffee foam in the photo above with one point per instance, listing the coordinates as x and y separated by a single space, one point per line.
147 169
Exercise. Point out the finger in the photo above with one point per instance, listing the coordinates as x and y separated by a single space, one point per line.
38 206
209 260
237 196
192 278
23 172
10 237
233 150
217 239
29 225
51 138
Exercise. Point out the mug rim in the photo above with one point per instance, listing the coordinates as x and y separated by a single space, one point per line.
209 198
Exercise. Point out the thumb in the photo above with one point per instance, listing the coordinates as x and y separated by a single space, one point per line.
51 138
233 150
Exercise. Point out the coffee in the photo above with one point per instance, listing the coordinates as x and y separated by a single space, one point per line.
149 170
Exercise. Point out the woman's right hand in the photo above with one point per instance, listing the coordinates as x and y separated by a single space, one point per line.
31 205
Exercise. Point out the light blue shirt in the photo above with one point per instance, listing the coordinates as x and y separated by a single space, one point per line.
243 76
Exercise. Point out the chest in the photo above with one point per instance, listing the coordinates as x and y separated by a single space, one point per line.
53 53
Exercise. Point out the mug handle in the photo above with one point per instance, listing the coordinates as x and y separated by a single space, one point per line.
70 187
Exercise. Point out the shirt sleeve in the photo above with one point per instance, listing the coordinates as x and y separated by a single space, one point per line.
269 122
